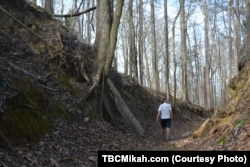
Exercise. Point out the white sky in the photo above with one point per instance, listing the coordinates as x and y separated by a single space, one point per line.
173 7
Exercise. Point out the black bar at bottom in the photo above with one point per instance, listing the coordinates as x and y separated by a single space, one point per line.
173 158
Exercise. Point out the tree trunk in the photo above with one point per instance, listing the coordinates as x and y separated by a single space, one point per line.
89 24
141 41
148 76
247 38
113 36
132 48
124 110
207 96
155 75
183 50
125 54
106 38
104 21
230 39
166 57
244 56
105 53
174 55
197 68
49 6
237 33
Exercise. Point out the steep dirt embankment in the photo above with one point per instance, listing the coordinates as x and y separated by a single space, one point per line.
228 129
37 58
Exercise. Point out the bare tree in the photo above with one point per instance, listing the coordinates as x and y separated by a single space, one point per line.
104 22
141 41
183 50
166 57
174 55
132 47
237 32
106 36
247 38
49 6
230 39
244 55
148 77
89 18
155 75
207 96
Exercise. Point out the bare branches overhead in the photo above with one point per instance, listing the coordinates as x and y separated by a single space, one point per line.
77 14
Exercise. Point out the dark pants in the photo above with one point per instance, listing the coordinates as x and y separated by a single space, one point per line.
166 123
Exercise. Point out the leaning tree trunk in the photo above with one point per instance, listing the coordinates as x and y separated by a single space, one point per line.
107 30
104 22
113 36
102 42
124 110
106 37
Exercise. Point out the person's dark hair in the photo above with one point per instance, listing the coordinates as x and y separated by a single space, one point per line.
164 99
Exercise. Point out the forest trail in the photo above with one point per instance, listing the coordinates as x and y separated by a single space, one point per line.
77 144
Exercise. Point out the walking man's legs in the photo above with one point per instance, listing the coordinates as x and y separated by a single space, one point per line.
167 133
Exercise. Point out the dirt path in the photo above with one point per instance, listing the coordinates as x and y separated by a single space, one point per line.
181 134
77 144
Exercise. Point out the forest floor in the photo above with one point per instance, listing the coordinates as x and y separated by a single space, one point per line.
76 143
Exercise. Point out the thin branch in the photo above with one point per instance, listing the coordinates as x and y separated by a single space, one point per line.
27 28
21 70
8 14
77 14
34 77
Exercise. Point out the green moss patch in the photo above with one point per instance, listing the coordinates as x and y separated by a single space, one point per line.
29 113
24 125
65 81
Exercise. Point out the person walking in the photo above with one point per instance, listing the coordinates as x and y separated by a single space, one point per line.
165 112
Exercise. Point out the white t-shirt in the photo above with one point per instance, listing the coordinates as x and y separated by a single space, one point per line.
165 109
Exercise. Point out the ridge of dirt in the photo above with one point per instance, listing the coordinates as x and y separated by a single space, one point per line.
229 129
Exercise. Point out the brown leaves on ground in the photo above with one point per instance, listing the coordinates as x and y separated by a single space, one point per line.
77 144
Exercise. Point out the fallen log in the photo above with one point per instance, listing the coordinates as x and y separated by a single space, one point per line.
124 110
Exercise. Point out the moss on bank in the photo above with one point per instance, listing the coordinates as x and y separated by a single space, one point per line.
28 114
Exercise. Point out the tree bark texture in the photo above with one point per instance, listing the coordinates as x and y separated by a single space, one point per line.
183 50
155 75
166 57
124 110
